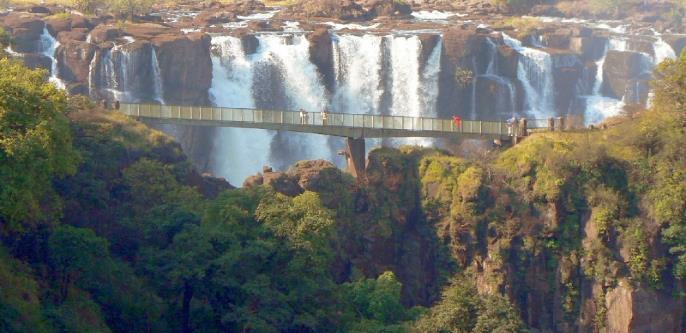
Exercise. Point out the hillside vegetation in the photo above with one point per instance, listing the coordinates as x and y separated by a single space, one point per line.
106 227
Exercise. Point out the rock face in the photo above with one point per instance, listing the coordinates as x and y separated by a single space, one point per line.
568 71
74 58
26 30
623 70
321 55
639 310
186 70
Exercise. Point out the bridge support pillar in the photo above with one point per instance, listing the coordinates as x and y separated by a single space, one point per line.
356 156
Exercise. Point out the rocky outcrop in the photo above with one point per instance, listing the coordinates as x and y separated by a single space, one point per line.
623 71
567 73
186 67
74 58
495 97
321 55
631 309
387 8
26 30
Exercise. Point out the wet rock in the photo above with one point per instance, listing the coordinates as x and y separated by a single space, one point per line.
557 40
508 61
620 68
494 96
429 43
567 71
145 30
583 46
321 55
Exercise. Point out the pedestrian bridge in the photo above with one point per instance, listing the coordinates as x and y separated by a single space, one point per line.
354 127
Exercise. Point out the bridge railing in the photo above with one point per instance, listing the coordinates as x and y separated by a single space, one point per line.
257 116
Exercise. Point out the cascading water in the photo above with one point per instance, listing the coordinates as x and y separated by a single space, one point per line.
599 107
535 72
49 46
358 62
158 89
663 51
239 152
429 87
405 51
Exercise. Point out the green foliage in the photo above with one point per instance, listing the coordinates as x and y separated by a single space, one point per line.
4 37
376 302
20 306
35 146
462 309
73 252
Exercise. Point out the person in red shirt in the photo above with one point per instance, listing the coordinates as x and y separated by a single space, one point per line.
457 121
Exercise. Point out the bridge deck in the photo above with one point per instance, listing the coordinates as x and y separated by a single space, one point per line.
337 124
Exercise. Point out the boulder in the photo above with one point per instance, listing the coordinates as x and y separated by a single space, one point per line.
145 30
620 68
208 18
73 35
583 46
26 30
321 55
282 183
308 174
390 8
74 58
39 10
105 33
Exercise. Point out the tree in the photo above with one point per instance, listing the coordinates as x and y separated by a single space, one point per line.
74 251
131 8
88 6
35 145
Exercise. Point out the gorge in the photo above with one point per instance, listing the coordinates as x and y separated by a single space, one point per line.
587 71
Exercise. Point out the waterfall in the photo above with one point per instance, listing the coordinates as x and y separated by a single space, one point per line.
357 65
429 87
405 51
535 71
238 153
663 51
49 46
242 152
158 88
599 107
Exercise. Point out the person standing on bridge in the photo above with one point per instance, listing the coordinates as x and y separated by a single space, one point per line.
303 117
458 122
510 125
325 117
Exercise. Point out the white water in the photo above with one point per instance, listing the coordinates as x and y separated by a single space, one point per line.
13 53
599 107
242 152
414 93
49 46
435 15
358 62
239 153
351 26
663 51
535 71
158 88
259 16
